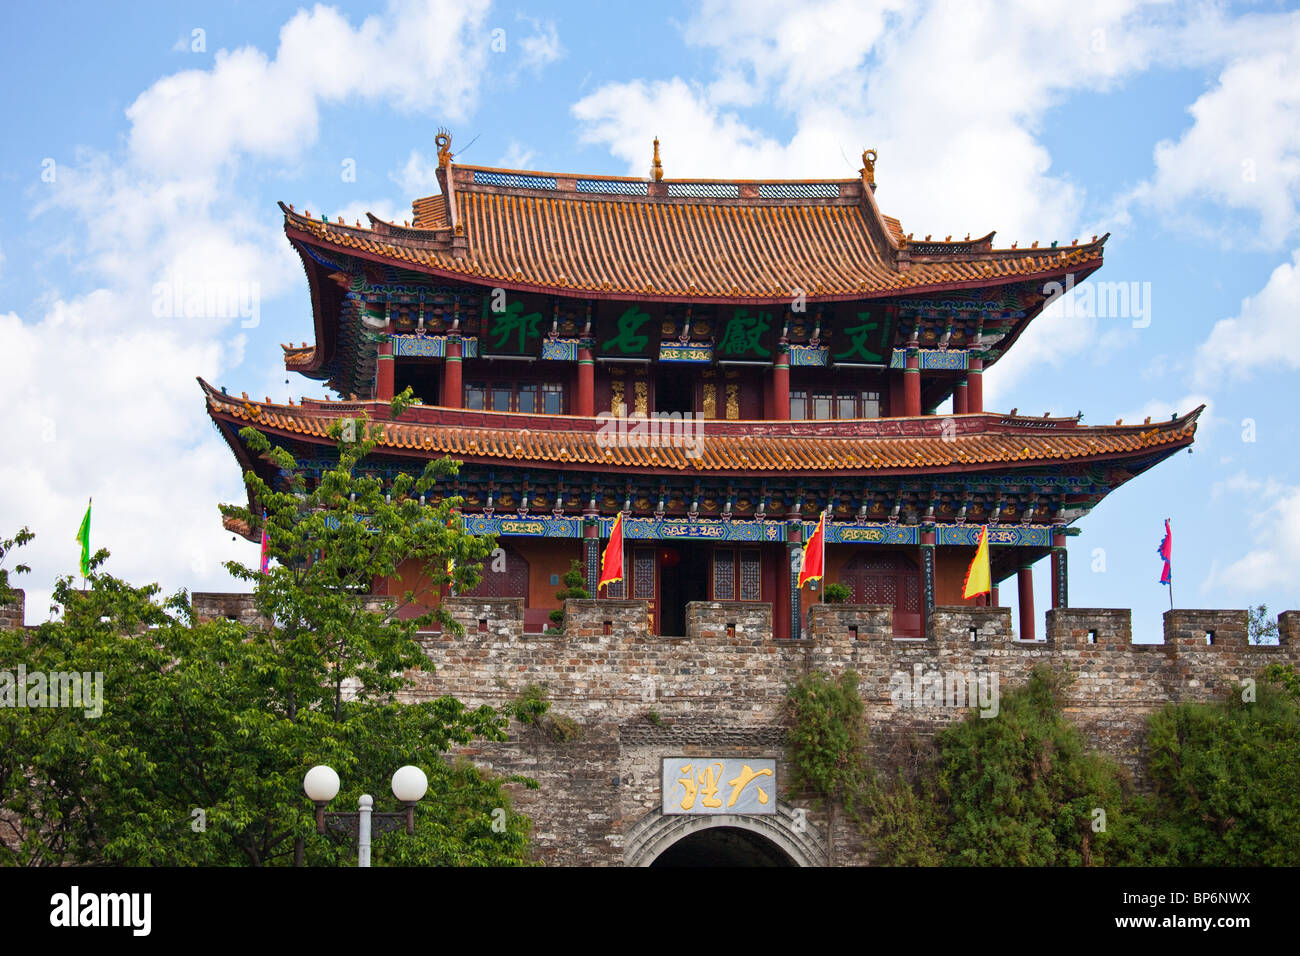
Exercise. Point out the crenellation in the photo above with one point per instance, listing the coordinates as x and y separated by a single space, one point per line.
969 625
1100 627
1288 628
13 614
1187 627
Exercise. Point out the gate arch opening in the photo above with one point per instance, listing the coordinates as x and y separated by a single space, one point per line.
723 846
784 838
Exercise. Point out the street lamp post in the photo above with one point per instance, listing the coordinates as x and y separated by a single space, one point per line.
322 785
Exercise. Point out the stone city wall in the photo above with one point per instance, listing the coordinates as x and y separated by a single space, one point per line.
719 691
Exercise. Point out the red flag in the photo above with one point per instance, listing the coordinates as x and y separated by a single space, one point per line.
814 554
1166 551
611 565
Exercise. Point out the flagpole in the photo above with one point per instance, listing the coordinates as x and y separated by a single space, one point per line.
90 501
1171 568
824 514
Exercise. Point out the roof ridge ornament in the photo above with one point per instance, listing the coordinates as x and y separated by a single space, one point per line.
656 167
868 169
443 141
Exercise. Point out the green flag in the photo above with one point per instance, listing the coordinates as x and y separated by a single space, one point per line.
83 535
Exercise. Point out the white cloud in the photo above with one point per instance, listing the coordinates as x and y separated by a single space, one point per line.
416 55
542 46
1049 342
950 94
1242 150
954 97
1270 569
99 381
418 176
104 411
1265 333
515 157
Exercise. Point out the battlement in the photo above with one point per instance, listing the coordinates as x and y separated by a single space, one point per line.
13 614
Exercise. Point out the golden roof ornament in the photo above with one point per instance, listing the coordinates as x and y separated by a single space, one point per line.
656 167
868 169
443 140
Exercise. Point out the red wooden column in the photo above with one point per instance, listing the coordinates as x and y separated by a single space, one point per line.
912 384
452 394
1025 578
959 405
781 383
781 594
975 385
993 597
586 406
1060 573
384 372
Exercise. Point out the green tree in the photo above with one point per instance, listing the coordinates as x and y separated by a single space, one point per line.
1226 776
826 740
1261 628
207 728
6 546
1018 789
1023 789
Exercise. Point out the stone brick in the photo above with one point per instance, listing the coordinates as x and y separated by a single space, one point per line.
13 614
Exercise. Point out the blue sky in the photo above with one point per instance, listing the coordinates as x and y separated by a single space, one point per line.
140 150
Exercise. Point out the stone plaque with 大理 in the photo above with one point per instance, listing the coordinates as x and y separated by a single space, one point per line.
706 785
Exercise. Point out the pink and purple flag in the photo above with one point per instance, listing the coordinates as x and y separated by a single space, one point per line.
266 550
1166 551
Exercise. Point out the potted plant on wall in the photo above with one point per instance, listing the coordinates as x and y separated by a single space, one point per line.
837 593
573 588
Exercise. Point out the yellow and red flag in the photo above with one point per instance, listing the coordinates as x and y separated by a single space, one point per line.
978 578
611 565
814 554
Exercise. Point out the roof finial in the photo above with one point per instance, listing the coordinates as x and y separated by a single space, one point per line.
869 167
443 139
656 167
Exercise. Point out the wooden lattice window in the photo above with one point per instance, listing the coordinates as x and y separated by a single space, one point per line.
737 574
643 573
724 574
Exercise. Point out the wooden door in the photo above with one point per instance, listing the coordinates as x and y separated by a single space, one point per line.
888 578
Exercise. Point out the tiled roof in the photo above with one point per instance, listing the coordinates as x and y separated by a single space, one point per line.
678 240
430 213
295 355
984 441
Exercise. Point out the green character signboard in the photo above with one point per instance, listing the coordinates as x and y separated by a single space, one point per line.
511 331
745 336
866 342
629 335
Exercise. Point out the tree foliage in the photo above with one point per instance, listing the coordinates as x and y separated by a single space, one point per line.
827 736
208 728
1024 789
1226 776
6 546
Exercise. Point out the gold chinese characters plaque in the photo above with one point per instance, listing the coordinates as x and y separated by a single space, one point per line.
715 785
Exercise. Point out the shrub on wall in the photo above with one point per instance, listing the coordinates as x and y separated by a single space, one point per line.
1226 776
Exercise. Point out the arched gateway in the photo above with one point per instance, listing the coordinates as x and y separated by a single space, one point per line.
785 838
